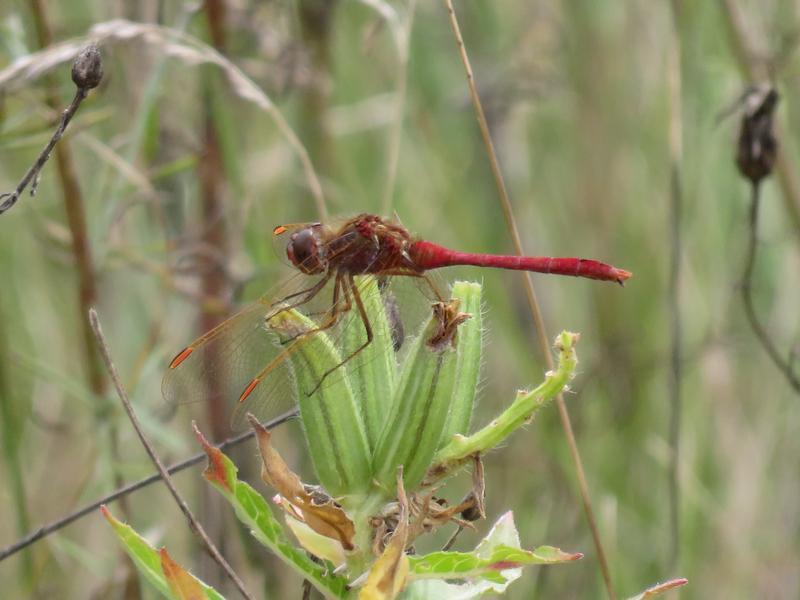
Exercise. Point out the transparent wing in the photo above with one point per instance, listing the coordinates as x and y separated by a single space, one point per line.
248 363
344 324
222 361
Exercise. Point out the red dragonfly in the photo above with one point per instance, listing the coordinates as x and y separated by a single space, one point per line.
240 358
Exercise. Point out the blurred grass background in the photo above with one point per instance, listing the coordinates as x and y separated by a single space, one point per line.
182 180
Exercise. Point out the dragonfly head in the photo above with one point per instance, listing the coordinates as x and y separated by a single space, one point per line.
306 250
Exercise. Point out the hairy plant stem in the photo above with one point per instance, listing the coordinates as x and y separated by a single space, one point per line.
361 509
533 303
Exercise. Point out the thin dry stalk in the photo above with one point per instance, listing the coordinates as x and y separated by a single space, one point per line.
211 177
395 134
784 365
676 251
756 71
317 27
61 522
194 524
213 281
533 303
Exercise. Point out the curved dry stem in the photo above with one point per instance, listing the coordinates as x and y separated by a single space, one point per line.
194 524
784 365
178 45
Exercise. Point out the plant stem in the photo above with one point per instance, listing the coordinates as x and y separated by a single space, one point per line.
521 410
673 294
783 365
396 131
533 303
211 178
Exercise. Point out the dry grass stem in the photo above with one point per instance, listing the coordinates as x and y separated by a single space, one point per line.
533 303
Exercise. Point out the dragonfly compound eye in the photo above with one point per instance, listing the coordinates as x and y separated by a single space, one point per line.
303 251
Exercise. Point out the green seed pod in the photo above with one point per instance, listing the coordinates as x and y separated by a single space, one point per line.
331 417
373 371
469 355
421 402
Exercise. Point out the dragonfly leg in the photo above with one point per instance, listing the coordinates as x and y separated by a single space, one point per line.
433 287
349 287
336 310
308 293
294 343
408 273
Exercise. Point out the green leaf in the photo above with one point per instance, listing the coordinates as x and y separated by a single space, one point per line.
148 560
494 563
253 511
468 565
331 417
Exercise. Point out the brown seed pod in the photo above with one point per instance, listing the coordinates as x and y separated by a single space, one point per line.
87 70
757 146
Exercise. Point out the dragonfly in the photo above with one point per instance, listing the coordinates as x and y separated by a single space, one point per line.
240 358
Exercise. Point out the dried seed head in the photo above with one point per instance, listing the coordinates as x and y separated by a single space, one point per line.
757 146
87 70
473 513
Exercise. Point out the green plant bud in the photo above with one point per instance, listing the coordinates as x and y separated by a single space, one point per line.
419 409
469 355
373 371
330 415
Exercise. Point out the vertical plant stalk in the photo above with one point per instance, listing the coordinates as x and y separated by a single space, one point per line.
674 78
97 331
211 177
396 131
533 303
316 24
214 282
755 71
784 365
